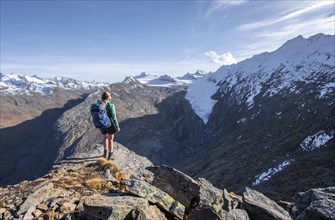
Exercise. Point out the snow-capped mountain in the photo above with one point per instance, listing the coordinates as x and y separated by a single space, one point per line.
167 80
193 76
273 113
21 83
298 60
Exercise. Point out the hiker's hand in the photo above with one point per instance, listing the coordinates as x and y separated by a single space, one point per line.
118 129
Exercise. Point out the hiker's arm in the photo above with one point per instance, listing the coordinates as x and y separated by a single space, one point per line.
114 118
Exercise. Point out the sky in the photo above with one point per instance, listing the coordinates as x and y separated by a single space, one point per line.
106 41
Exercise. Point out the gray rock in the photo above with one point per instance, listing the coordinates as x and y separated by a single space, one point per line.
315 204
198 196
68 208
259 206
36 198
235 214
117 208
178 185
29 214
205 213
152 194
229 203
209 196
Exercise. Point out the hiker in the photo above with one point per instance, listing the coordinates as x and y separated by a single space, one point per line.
110 131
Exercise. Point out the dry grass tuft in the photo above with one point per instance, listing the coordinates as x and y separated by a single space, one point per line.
118 175
108 164
121 176
112 166
102 161
237 197
95 183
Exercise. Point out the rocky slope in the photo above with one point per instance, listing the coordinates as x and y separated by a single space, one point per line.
89 187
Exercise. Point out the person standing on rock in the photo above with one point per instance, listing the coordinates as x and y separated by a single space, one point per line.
110 131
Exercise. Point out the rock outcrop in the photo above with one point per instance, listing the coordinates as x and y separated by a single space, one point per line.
130 187
261 207
315 204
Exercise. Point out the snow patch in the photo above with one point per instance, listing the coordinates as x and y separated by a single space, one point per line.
199 94
316 141
327 90
270 172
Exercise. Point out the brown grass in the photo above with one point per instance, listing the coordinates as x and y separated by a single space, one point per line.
109 164
112 166
102 161
118 175
94 183
234 196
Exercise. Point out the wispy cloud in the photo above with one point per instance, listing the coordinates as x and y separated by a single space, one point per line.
215 6
291 15
223 59
268 40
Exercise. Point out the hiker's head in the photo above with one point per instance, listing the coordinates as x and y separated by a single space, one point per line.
106 96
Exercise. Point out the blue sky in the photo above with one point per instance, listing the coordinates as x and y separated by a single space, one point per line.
108 40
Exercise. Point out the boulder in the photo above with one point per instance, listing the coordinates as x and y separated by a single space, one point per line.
259 206
209 196
154 195
178 185
198 196
314 204
117 208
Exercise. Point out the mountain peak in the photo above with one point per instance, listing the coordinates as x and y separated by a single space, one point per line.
21 83
297 60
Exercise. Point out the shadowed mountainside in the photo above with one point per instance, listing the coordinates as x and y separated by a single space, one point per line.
24 152
155 122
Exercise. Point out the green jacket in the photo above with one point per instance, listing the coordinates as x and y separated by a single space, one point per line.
111 112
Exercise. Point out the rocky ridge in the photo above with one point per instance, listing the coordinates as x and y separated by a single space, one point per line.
132 188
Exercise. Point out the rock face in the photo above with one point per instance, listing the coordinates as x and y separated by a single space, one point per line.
261 207
155 196
315 204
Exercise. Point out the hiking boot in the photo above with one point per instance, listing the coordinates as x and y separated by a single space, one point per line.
110 156
105 154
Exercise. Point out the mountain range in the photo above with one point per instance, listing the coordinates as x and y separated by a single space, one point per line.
267 122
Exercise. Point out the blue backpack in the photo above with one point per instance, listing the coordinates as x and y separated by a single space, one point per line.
99 115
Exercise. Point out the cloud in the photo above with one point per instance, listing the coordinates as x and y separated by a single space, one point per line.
224 59
268 40
215 6
291 15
